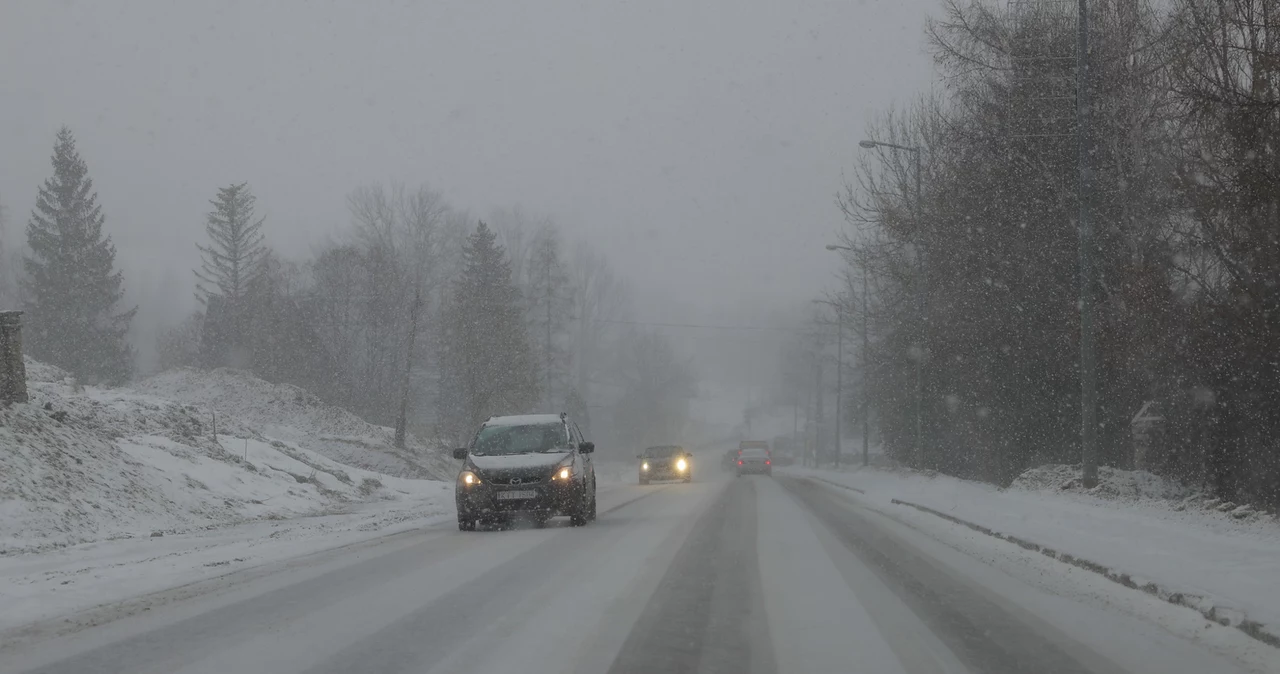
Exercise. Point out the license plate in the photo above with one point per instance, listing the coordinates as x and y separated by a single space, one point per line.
515 495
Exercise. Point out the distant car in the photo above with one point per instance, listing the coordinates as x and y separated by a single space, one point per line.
536 466
668 462
754 460
730 460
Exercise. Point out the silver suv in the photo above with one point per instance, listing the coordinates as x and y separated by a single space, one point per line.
535 465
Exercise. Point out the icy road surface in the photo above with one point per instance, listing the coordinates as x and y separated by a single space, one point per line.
744 575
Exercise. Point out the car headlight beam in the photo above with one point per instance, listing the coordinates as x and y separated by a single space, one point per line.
681 465
644 466
468 478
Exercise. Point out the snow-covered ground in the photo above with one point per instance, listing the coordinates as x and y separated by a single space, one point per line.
42 586
86 464
1133 523
107 495
288 413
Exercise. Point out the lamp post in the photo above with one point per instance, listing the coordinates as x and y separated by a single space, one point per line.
919 289
866 362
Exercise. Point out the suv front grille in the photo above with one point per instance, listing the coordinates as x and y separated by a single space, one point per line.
517 478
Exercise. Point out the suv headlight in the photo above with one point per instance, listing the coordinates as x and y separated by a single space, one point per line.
468 479
563 472
644 466
681 465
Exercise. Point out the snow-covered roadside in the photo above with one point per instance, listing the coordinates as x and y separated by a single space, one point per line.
56 583
85 464
290 414
1228 563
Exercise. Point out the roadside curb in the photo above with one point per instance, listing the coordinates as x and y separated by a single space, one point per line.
1226 616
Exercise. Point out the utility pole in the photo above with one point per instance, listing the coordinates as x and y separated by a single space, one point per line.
817 410
808 423
550 398
866 351
839 375
1088 355
795 423
923 313
402 420
866 371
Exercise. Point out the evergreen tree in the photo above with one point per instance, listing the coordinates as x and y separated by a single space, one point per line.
232 261
486 363
231 266
72 289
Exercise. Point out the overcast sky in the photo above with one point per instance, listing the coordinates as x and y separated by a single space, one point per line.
698 144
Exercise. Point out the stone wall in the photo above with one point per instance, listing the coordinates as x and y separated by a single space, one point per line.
13 374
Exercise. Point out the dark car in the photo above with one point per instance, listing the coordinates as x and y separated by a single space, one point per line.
669 462
729 461
755 460
536 466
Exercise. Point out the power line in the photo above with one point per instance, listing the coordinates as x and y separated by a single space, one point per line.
706 326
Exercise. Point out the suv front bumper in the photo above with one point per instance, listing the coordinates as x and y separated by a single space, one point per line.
550 498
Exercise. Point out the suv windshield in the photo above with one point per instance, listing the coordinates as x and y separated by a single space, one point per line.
523 439
661 452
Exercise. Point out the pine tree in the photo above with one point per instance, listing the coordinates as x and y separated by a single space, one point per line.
486 363
232 261
231 266
72 289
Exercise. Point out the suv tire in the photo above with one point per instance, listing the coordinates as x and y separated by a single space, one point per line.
581 511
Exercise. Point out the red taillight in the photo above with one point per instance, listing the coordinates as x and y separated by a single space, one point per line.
767 462
739 462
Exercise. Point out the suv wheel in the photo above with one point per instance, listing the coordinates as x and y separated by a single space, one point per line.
581 512
466 524
592 515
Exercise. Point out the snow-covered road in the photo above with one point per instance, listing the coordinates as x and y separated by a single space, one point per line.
740 575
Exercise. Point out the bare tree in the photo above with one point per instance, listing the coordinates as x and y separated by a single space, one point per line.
599 299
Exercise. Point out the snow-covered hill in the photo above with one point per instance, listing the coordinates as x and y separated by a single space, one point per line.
289 413
86 464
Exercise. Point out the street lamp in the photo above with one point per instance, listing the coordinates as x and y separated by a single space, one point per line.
919 290
839 367
866 362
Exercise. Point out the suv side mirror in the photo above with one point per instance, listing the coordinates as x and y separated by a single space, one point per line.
587 447
460 453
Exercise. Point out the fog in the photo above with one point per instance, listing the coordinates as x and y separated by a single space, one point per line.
733 335
698 147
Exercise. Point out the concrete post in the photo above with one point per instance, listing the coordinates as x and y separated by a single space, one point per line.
13 374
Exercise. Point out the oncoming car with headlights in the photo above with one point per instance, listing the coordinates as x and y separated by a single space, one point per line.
669 462
537 466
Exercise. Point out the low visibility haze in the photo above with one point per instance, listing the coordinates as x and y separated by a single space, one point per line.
627 336
698 147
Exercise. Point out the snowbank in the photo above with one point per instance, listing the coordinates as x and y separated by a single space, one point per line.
1113 484
88 464
1135 525
292 414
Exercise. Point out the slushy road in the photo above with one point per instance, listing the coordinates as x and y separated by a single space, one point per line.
751 574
